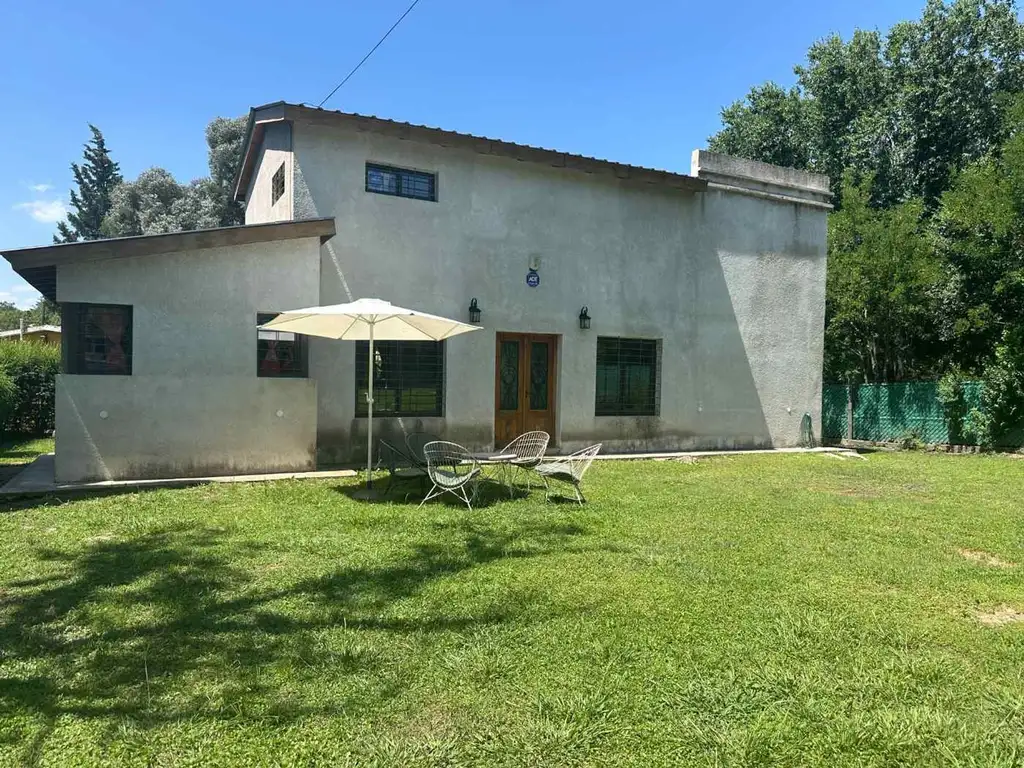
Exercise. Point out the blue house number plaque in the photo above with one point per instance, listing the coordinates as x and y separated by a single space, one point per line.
532 278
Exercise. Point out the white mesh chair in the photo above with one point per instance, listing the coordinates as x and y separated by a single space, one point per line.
528 450
569 469
452 469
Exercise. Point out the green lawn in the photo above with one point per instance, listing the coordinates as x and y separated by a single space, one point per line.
787 610
23 451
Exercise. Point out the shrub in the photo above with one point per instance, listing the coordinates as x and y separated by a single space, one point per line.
911 440
1000 420
960 408
8 397
32 370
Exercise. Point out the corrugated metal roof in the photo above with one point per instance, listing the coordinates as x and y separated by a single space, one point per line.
280 110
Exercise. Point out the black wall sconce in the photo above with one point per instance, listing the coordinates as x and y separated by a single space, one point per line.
584 320
474 311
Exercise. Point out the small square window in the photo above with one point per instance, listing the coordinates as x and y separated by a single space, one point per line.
400 182
277 185
280 354
97 339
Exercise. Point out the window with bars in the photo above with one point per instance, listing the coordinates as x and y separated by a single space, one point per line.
277 185
399 182
408 378
627 377
280 354
97 339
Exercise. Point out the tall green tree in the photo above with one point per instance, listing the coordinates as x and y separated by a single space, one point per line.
770 125
10 316
156 203
912 107
95 178
980 235
881 290
43 312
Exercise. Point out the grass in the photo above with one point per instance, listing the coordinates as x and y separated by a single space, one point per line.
24 450
787 610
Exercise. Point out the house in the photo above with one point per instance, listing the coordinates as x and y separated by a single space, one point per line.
644 309
43 334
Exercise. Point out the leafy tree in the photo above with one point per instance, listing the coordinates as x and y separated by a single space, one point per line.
980 234
912 107
10 316
770 125
157 203
96 179
880 292
225 137
43 312
1000 420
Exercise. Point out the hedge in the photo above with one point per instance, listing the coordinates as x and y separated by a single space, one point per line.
32 368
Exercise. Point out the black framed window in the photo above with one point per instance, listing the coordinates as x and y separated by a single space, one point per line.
97 339
280 354
408 378
385 180
277 185
627 377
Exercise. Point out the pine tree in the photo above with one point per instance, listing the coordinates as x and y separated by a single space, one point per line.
96 178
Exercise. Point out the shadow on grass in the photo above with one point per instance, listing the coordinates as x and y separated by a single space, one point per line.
134 628
412 492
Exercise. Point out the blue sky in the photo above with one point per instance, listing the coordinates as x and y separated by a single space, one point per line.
639 82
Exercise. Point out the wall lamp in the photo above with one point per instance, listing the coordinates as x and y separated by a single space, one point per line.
474 311
584 319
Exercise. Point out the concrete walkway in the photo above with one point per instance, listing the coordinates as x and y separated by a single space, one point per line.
37 478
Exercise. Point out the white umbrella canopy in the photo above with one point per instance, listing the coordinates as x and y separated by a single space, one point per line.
368 320
363 318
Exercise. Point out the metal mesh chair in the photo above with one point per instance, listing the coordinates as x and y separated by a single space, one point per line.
415 442
569 469
399 464
452 469
529 452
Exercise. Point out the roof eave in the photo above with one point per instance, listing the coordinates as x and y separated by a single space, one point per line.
37 265
258 117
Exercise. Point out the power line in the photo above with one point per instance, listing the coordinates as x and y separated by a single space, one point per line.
378 45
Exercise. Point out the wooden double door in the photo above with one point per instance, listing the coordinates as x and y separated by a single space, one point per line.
524 386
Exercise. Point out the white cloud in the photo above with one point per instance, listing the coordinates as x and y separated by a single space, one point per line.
45 211
19 298
40 188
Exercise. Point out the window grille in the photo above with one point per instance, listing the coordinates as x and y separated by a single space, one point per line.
408 378
628 377
384 180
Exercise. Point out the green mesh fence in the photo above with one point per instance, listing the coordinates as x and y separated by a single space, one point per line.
833 412
889 412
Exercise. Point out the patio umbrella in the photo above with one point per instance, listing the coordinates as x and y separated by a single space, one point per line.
368 320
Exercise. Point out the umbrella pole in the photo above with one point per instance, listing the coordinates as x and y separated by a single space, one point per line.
369 416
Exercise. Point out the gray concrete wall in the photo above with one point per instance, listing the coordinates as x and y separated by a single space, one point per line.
193 404
276 149
731 282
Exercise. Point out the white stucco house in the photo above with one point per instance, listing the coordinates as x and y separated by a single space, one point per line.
640 308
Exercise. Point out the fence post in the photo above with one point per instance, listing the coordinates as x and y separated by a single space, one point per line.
849 411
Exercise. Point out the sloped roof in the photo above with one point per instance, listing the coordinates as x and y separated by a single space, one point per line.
281 111
38 265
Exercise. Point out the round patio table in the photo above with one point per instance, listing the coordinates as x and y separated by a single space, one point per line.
503 462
